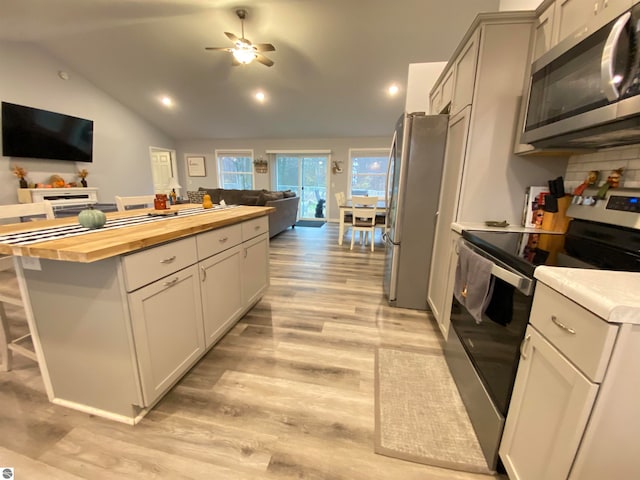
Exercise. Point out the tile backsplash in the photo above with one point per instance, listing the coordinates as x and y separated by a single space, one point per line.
605 161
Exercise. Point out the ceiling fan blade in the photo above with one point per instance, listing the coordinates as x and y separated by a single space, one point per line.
225 49
264 47
264 60
231 37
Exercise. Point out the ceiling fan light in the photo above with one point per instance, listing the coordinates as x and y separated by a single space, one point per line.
244 55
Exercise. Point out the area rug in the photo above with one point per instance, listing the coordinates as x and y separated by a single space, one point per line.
309 223
420 416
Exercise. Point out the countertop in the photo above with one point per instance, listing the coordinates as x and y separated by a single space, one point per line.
458 227
613 296
98 244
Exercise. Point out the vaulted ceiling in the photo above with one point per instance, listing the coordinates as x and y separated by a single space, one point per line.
334 59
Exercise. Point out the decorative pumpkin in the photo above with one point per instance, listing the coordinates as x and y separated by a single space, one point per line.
92 218
57 181
206 201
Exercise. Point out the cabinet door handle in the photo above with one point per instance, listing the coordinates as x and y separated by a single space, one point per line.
171 283
555 320
223 239
257 227
204 273
168 260
523 346
245 253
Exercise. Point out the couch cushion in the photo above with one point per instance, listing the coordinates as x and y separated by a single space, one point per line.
268 196
249 199
214 193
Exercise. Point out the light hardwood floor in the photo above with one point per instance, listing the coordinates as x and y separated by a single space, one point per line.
286 394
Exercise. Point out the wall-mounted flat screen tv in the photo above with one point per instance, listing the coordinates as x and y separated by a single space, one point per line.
33 133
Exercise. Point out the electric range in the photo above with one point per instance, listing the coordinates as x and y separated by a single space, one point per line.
483 354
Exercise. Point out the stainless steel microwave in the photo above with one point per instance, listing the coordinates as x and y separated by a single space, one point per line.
585 94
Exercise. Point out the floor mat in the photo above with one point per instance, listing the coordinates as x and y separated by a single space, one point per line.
309 223
420 416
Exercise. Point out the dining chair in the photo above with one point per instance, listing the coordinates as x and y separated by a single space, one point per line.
346 217
364 211
136 201
9 293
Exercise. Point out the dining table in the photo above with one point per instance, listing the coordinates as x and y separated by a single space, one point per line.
346 208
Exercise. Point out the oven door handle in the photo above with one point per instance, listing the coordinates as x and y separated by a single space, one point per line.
524 284
520 282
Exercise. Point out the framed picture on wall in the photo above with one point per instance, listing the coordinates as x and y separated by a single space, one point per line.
195 167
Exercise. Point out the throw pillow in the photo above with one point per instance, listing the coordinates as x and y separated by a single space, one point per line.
195 197
289 193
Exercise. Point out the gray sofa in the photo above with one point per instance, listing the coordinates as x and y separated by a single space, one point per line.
285 203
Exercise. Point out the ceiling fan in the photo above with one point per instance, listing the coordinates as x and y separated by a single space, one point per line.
245 52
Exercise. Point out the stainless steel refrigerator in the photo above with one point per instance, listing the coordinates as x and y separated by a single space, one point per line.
413 191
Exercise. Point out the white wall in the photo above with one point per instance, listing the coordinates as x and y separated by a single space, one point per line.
121 164
420 81
339 147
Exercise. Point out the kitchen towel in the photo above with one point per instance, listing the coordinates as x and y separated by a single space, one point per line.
472 286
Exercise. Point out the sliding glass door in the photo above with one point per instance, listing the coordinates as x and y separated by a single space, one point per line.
305 174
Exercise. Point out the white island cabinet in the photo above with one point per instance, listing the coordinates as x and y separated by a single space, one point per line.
575 409
118 327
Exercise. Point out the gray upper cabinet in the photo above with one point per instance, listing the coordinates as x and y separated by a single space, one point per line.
561 19
482 179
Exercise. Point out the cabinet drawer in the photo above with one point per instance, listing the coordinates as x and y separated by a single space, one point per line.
589 346
148 265
255 227
216 241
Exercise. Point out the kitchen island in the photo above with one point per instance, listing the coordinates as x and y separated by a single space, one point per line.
118 315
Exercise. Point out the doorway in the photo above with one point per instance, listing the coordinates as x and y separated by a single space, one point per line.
163 168
306 174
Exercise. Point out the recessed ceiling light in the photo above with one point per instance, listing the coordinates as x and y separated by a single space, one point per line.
393 90
260 96
166 101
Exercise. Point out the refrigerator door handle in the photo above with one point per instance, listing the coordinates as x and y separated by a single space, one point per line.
387 198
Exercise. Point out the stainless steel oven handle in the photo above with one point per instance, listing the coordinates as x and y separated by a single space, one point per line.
521 283
608 58
524 284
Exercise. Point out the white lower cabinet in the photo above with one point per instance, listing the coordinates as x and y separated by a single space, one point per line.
549 409
221 286
566 371
141 320
166 318
255 268
179 316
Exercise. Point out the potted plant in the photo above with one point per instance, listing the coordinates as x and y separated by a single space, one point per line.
21 173
261 165
83 176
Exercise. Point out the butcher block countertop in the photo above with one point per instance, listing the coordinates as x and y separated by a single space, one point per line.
98 244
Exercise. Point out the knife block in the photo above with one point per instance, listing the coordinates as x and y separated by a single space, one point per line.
557 221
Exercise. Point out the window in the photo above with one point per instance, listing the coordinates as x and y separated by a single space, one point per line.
235 169
369 171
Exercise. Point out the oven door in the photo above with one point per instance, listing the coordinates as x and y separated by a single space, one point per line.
493 344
